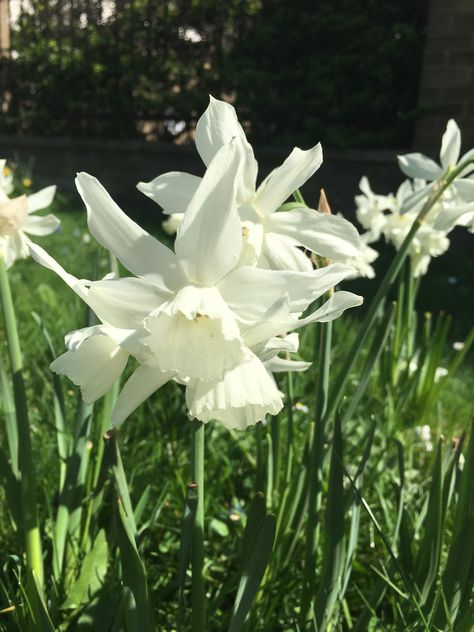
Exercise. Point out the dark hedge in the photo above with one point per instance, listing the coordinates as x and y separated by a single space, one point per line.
344 72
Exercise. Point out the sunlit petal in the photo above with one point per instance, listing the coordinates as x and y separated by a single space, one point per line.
450 145
41 199
139 252
209 240
142 383
173 191
283 181
326 235
242 398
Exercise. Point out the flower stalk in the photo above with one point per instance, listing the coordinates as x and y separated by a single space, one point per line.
316 450
198 597
31 528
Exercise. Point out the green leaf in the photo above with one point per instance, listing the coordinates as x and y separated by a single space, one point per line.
333 557
187 532
455 581
43 623
219 527
428 558
134 576
92 574
255 515
8 407
253 571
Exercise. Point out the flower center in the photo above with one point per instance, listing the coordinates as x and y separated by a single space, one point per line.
12 215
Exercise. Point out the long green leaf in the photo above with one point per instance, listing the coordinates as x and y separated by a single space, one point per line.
428 558
252 574
331 579
461 551
133 570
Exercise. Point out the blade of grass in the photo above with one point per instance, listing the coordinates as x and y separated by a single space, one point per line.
252 574
30 522
330 582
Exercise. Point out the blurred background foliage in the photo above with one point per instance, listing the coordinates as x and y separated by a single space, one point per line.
345 73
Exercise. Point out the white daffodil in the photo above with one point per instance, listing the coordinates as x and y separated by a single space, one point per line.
18 220
387 215
419 166
6 180
189 314
271 240
371 209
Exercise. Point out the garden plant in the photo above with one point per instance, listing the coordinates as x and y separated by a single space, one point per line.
222 445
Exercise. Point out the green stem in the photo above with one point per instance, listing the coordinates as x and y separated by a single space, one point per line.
397 262
315 469
34 554
289 428
198 597
260 468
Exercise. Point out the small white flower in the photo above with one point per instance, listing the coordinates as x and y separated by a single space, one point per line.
6 180
458 346
18 221
418 166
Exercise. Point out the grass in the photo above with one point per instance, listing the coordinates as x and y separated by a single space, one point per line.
384 517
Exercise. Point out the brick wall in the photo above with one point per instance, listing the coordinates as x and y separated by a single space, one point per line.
447 81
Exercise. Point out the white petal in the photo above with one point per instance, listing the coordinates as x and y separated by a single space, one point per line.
465 188
450 145
94 365
124 302
41 199
36 225
41 256
141 384
417 165
281 253
416 200
278 321
242 398
280 365
209 240
173 191
14 247
250 292
283 181
468 156
195 334
449 217
326 235
217 127
138 251
333 308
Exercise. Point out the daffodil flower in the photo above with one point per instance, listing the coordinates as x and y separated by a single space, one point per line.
387 216
18 221
191 315
271 240
419 166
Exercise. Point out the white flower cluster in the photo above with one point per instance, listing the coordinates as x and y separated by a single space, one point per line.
18 219
214 313
393 215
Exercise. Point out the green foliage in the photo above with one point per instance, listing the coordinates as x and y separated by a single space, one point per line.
343 73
